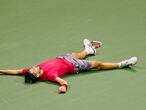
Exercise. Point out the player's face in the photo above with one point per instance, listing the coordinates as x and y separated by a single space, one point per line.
36 71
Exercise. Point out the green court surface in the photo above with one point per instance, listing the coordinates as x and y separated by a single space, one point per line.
32 31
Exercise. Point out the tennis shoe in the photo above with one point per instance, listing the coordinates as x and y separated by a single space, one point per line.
129 62
90 46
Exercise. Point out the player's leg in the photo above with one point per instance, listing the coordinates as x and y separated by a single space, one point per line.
90 49
106 65
103 65
80 55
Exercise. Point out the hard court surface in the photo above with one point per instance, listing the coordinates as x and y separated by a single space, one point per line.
32 31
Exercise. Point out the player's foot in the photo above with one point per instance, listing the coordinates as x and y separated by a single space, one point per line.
128 62
90 46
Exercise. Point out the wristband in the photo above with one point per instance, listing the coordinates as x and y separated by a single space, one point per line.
65 85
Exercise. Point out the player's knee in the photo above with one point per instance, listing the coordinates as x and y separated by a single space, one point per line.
75 54
97 64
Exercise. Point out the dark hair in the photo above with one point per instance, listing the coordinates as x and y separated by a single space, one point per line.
30 78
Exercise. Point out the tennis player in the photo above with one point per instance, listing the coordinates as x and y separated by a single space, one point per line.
55 69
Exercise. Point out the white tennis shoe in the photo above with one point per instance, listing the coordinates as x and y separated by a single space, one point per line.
129 62
90 46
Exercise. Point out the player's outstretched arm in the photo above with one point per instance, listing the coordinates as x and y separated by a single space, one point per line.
11 72
63 85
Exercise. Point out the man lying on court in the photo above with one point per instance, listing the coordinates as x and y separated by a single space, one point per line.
55 69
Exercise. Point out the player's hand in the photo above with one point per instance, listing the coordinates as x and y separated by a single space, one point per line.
62 89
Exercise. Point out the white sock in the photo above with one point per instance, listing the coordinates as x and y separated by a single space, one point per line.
87 51
119 65
122 64
90 50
